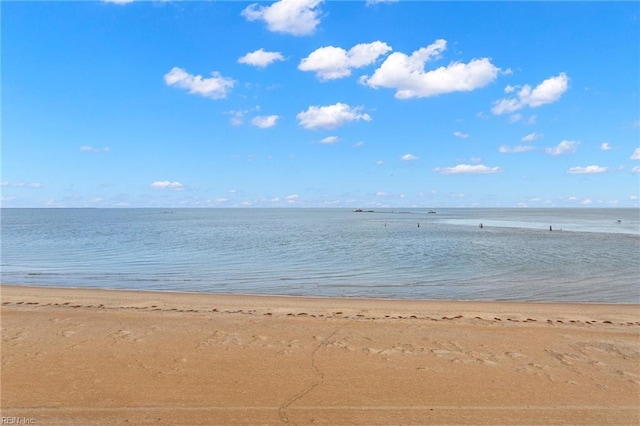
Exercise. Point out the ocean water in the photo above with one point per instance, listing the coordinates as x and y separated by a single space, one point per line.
592 255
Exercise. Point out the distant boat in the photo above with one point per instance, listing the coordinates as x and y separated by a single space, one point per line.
431 212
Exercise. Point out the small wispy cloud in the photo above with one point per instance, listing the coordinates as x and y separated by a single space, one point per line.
292 199
467 169
21 184
531 137
564 147
264 122
329 140
218 201
409 157
457 195
88 148
505 149
375 2
237 116
460 135
636 154
165 184
606 146
587 170
514 118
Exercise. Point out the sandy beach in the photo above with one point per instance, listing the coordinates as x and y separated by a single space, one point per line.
78 356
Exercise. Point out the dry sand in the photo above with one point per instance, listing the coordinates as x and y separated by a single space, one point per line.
72 356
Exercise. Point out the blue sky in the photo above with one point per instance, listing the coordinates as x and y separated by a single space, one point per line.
320 104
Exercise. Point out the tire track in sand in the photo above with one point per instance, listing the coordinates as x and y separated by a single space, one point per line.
319 377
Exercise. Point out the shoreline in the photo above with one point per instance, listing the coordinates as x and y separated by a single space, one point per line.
310 297
201 301
93 356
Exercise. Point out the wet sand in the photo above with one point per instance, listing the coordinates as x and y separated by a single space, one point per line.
77 356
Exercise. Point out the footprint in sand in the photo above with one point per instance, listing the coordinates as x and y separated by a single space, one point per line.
536 370
126 336
630 377
221 338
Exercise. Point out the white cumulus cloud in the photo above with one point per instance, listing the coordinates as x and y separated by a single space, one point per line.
165 184
636 154
330 116
550 90
406 74
260 58
331 62
564 147
295 17
606 146
467 169
214 87
264 122
587 170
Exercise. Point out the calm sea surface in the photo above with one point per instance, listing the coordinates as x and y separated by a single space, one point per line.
592 255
